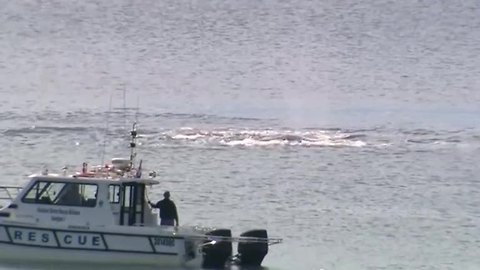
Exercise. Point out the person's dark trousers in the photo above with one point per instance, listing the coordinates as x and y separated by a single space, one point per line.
167 222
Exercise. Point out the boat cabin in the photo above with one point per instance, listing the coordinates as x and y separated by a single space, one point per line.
84 201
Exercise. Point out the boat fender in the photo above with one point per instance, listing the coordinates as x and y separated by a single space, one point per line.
217 252
252 253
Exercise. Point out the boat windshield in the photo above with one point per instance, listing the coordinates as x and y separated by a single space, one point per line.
62 193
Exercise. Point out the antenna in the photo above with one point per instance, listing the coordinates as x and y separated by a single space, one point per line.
106 129
125 106
137 109
133 144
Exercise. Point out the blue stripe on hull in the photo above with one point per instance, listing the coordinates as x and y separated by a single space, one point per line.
56 245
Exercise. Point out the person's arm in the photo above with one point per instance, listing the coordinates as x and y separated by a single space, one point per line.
176 214
152 205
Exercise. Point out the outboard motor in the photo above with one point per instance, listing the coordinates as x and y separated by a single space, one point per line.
217 252
252 253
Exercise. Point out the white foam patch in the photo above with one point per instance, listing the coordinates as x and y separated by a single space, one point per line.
252 142
267 137
187 137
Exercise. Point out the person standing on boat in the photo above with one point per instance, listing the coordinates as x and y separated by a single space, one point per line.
168 210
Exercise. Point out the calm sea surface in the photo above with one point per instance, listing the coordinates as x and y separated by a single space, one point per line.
349 128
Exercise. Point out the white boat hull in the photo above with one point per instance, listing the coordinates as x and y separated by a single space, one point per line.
17 253
33 244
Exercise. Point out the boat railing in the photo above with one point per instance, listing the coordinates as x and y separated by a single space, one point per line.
8 194
240 239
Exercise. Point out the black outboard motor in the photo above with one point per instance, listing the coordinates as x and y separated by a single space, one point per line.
252 253
215 255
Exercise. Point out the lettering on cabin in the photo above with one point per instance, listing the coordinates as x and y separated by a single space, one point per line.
58 211
161 241
57 219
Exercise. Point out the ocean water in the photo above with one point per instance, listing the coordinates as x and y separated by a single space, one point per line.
350 129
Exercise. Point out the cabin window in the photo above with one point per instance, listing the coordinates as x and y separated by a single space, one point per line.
62 193
127 195
114 193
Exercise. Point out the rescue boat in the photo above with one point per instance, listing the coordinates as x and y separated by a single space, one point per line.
101 214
